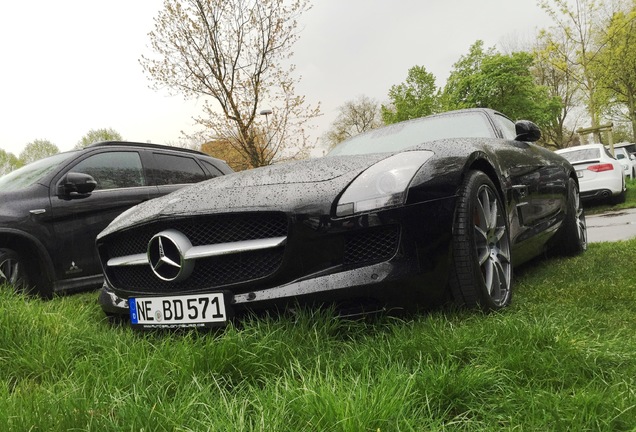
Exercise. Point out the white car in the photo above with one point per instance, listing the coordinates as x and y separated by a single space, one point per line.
627 160
600 175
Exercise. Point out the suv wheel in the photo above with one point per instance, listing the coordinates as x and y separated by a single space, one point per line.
12 270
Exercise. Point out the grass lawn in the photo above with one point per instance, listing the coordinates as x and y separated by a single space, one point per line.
562 357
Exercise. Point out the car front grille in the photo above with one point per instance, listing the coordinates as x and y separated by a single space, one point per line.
225 228
356 248
208 272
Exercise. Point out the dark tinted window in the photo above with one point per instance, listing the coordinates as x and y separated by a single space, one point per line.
113 170
214 171
174 169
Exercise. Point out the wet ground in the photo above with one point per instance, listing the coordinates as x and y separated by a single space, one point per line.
612 226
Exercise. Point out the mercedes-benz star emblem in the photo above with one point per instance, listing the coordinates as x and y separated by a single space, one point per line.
166 252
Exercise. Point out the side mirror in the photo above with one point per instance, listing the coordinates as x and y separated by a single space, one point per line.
76 185
527 131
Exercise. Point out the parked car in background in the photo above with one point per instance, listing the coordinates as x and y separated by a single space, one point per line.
52 209
627 160
630 147
414 213
600 175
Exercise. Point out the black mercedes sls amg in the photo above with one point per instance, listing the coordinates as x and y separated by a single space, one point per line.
415 212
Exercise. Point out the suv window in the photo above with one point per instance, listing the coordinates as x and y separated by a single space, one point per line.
172 169
214 171
113 170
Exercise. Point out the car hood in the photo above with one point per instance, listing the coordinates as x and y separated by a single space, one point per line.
308 186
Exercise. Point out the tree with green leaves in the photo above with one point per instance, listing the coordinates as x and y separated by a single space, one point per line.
460 85
234 54
616 65
354 117
8 162
502 82
552 69
98 135
36 150
416 97
580 23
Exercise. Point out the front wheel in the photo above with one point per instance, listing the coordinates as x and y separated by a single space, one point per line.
12 270
481 272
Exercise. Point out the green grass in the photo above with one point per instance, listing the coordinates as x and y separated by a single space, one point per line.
596 207
562 357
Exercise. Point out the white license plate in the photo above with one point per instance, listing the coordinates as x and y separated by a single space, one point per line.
579 174
197 310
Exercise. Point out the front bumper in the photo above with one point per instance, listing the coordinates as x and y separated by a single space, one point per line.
397 283
415 272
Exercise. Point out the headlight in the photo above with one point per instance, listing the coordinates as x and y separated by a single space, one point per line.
383 184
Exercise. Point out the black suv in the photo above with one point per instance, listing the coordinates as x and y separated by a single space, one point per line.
51 210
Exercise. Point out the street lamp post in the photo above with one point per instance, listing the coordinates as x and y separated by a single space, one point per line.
266 113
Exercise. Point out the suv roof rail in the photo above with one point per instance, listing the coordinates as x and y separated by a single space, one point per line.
148 145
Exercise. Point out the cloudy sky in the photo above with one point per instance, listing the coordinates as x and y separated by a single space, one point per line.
69 66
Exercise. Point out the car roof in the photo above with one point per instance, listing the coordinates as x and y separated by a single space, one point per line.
146 145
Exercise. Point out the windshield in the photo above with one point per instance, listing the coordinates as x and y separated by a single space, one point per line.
31 173
400 136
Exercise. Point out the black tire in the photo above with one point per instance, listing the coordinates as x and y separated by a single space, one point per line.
618 199
13 270
481 272
571 239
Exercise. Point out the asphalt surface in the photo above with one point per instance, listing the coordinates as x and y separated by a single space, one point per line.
612 226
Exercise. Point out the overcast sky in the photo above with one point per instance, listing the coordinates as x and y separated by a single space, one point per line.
68 66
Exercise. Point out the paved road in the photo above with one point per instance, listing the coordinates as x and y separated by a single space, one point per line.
612 226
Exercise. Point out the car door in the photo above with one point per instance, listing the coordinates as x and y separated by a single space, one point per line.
121 184
538 187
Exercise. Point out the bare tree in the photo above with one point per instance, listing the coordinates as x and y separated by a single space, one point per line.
235 55
354 117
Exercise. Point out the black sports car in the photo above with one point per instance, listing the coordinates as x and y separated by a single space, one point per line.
433 208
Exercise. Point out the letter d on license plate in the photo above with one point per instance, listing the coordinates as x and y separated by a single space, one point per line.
198 310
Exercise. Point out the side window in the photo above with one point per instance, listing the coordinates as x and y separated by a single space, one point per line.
113 170
507 127
214 171
172 169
